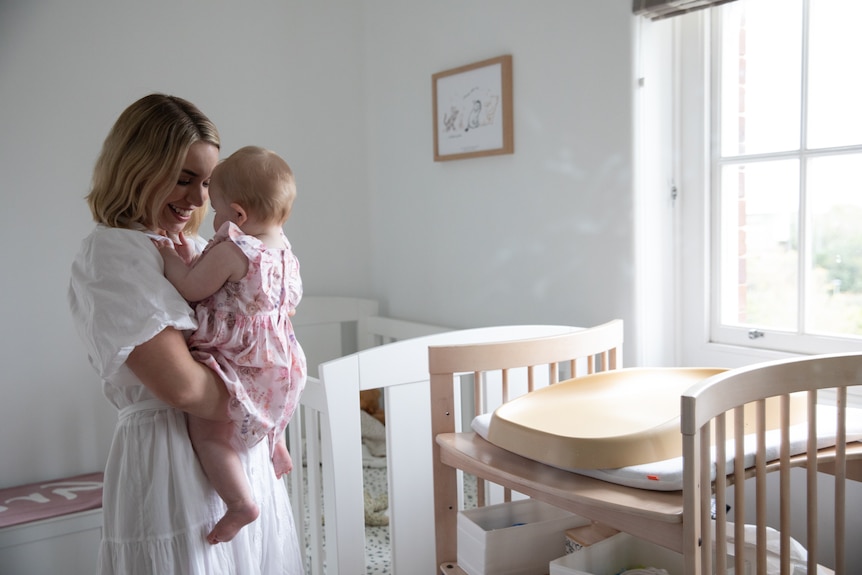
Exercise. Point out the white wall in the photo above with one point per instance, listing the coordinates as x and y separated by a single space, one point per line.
342 89
544 235
281 74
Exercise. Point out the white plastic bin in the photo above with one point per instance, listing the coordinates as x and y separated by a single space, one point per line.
516 538
617 553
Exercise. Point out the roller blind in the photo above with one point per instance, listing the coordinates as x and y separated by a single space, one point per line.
658 9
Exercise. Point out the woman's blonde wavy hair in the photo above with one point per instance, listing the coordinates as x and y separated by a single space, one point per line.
142 158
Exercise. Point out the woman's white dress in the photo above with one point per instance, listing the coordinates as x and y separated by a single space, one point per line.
158 505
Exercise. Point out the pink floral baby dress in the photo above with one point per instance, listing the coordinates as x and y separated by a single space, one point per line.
245 334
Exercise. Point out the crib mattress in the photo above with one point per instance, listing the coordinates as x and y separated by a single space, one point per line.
611 419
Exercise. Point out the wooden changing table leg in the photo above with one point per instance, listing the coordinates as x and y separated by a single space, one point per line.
445 477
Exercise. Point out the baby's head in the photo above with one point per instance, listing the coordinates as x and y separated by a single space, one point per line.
258 180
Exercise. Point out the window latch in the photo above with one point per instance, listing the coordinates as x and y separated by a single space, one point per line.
755 333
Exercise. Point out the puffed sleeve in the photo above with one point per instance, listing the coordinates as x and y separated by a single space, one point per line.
119 296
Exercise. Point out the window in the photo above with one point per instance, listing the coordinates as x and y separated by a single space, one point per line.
785 170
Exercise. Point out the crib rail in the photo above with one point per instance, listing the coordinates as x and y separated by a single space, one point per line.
705 413
502 370
328 487
366 351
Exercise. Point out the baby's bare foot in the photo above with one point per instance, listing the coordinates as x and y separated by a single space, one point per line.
238 515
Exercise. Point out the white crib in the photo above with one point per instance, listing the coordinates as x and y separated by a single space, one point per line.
328 426
325 431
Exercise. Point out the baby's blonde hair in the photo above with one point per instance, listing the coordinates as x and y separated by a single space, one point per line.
260 181
141 160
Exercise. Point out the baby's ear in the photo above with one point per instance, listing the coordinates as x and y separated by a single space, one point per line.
241 215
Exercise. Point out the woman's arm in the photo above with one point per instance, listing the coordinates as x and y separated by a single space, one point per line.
165 366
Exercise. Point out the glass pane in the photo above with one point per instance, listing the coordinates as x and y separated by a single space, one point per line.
835 84
759 244
760 76
834 195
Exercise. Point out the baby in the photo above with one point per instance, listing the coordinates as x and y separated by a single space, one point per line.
246 285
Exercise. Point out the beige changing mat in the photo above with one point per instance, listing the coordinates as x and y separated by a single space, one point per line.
611 419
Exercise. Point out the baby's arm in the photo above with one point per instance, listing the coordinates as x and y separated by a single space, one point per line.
222 262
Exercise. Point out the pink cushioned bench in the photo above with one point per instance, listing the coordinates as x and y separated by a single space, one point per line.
46 499
52 526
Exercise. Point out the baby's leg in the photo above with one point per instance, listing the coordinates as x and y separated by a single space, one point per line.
281 460
222 465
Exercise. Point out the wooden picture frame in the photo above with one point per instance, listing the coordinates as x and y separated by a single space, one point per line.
473 110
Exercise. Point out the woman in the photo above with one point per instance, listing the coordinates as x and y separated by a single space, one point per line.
151 181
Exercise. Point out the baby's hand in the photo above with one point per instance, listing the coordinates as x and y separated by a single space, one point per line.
165 246
169 248
186 250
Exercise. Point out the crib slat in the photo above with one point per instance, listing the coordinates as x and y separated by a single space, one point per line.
784 483
840 480
811 482
507 493
720 493
295 479
739 484
505 384
481 406
704 503
314 480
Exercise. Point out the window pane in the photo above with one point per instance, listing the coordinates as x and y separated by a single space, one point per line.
760 76
835 84
834 194
759 244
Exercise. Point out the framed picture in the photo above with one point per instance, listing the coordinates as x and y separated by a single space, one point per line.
473 110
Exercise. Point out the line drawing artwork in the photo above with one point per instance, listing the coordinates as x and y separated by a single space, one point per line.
469 107
470 103
472 112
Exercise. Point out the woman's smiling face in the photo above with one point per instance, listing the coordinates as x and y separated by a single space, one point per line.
191 189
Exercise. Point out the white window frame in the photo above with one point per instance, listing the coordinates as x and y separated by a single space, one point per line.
695 216
760 338
699 342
